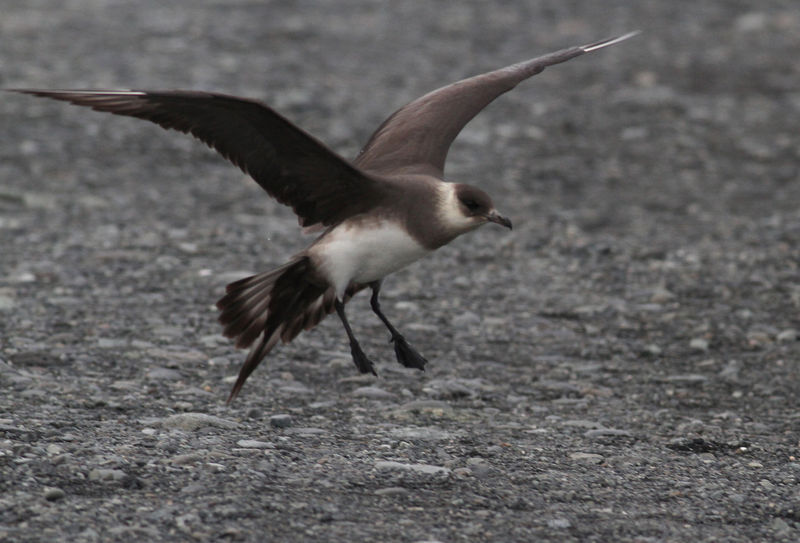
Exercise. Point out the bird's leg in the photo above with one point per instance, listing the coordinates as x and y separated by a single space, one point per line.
361 361
406 354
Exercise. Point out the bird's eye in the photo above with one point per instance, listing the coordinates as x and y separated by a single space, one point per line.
472 205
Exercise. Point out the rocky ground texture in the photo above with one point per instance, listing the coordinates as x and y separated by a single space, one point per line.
623 366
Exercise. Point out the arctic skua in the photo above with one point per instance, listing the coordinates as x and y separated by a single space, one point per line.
384 210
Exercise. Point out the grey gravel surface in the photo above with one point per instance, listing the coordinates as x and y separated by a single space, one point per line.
622 367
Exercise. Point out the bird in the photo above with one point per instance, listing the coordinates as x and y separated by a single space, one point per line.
376 214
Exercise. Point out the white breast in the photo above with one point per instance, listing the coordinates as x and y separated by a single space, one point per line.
363 253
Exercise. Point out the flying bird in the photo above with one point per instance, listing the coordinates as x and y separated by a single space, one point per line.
378 213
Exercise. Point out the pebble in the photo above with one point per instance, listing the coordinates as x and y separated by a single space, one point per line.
559 523
296 389
428 433
427 469
452 388
391 491
52 493
163 374
254 444
102 474
7 303
193 421
280 421
699 344
580 423
189 458
606 432
373 393
308 431
780 526
588 458
425 406
731 371
788 335
111 343
661 295
466 319
480 470
652 349
688 379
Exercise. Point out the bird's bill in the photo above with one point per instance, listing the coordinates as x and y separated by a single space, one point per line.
495 217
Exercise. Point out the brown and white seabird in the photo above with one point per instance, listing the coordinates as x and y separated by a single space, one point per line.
378 213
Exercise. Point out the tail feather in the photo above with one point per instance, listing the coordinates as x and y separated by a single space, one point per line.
261 310
250 324
267 307
243 294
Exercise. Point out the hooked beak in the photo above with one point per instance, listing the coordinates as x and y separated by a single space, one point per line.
495 217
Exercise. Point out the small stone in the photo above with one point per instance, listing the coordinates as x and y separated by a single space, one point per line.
606 432
588 458
757 338
193 421
385 465
579 423
788 335
753 21
254 444
453 388
308 431
428 433
111 343
391 491
373 393
731 371
184 459
652 349
559 523
163 374
296 389
481 470
688 379
661 295
468 318
101 474
52 493
7 303
699 344
425 406
280 421
780 526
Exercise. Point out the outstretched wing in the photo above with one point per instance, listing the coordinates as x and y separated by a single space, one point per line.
290 164
416 137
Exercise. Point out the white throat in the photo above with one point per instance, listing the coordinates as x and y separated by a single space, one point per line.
450 212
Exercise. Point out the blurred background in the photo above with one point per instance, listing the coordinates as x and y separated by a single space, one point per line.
650 286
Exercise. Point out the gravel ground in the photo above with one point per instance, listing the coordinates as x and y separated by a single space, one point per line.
623 366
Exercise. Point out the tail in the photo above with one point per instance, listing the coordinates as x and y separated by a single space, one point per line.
273 306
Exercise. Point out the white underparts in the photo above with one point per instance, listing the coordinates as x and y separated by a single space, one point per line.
364 252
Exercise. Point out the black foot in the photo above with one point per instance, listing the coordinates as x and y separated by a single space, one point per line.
406 354
361 361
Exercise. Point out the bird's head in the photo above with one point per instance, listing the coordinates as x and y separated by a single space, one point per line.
467 207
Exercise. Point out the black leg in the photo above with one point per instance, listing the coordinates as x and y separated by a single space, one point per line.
361 361
406 354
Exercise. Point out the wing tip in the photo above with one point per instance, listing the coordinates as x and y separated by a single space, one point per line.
75 92
608 41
